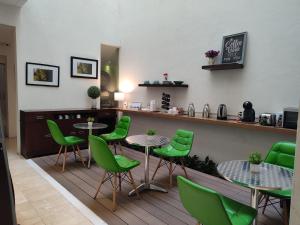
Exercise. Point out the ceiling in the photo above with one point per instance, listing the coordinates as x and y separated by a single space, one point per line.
18 3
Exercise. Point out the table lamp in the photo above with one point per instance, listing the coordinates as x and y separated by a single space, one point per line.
120 97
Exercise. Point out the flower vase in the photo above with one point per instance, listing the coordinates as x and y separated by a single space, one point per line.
94 103
211 61
254 168
90 124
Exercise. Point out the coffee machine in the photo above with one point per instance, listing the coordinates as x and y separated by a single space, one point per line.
249 113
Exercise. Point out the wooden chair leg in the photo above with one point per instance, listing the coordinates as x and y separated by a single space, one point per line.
74 151
170 173
266 203
158 166
121 150
183 167
133 185
120 182
115 192
59 153
100 184
115 147
65 157
80 156
285 212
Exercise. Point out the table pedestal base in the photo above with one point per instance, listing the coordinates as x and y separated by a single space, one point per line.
150 187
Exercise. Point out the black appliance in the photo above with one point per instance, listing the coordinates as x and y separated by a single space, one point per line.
249 113
222 112
7 203
267 119
290 118
165 101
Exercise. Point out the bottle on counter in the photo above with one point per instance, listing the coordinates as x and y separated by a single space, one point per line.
191 110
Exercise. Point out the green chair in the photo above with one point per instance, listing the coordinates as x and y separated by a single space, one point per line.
281 154
180 147
64 142
211 208
115 166
119 134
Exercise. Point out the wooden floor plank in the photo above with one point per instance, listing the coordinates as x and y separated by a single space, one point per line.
154 207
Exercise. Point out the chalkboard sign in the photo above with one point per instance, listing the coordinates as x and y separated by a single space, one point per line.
233 48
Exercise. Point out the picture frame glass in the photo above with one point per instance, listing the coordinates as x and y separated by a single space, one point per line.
42 75
84 68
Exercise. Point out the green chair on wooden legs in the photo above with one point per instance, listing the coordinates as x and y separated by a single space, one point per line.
119 134
65 142
281 154
211 208
180 147
115 166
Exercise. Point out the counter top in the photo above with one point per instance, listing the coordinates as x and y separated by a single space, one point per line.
213 121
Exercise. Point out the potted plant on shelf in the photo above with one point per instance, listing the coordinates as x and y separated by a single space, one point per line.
93 92
255 160
150 134
211 55
90 121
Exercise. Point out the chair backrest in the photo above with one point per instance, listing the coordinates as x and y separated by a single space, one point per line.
282 154
56 133
183 140
123 126
103 155
202 203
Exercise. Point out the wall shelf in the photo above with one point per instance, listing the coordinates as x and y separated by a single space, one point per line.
163 85
227 66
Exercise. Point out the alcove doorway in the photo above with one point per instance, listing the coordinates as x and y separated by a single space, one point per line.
109 76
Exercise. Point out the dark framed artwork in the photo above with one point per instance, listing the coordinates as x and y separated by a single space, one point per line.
84 68
42 74
233 48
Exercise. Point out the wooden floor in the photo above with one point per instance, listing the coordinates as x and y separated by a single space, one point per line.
153 207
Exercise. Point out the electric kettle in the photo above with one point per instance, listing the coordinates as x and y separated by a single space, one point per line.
206 111
222 112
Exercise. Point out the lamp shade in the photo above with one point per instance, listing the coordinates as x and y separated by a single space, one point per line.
119 96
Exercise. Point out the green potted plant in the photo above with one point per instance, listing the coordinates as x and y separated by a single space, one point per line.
255 160
93 92
150 134
90 121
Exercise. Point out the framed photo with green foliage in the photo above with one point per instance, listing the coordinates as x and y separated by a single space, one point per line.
84 68
42 74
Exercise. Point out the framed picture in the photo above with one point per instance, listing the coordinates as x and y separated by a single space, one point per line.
84 68
233 48
42 74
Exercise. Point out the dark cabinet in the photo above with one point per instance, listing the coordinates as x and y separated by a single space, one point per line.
36 139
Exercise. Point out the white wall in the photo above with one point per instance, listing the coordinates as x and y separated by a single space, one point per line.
171 36
50 32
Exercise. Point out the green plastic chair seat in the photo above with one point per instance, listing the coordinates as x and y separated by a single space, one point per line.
238 213
281 154
180 145
211 208
169 151
279 193
120 132
125 163
73 140
113 136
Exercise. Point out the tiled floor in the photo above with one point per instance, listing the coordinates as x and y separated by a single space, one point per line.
37 202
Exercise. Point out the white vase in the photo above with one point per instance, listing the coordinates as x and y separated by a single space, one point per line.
254 168
94 103
211 61
90 124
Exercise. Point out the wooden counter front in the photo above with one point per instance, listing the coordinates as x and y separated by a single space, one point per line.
213 121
